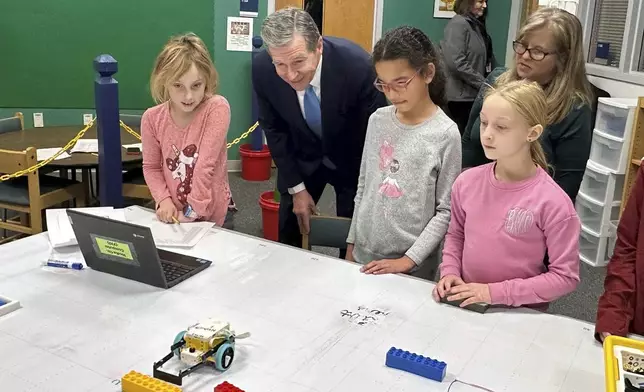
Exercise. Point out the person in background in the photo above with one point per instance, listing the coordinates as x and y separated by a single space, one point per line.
315 8
467 49
621 306
315 95
507 214
549 51
411 158
184 136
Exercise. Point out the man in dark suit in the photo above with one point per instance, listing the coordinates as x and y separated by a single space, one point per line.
315 96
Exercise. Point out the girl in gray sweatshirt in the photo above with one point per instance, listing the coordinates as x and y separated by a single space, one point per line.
411 157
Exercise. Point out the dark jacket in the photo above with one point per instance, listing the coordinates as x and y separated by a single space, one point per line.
467 50
348 98
566 144
621 307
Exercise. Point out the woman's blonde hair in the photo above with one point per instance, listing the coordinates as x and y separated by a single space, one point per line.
176 58
529 100
570 86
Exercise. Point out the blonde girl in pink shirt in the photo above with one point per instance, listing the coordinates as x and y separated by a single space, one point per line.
507 214
184 136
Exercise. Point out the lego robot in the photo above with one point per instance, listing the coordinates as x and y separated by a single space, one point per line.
210 342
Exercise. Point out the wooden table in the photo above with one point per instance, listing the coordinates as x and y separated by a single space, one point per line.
50 137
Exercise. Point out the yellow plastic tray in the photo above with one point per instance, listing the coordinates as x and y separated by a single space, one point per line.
614 374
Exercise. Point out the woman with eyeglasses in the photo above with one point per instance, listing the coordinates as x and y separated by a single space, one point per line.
549 51
467 50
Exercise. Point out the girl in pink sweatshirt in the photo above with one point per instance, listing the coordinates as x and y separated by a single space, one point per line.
184 136
508 214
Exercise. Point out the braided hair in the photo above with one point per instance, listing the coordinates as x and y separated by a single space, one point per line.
411 44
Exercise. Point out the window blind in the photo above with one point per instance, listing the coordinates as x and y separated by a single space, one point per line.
609 22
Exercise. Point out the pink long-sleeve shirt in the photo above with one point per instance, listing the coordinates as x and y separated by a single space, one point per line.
499 233
189 164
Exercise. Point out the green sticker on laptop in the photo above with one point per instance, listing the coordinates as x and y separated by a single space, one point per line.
115 250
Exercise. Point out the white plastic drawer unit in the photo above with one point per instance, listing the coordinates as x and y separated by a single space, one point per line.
609 151
615 116
593 248
601 185
596 216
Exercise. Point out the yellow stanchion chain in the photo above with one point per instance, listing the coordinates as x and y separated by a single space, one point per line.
80 134
228 145
243 136
63 150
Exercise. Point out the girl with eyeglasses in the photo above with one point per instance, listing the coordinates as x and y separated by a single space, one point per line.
549 51
411 157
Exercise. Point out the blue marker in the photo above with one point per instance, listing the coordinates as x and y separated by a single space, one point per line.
63 264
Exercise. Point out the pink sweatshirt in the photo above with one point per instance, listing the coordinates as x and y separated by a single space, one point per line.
499 233
189 164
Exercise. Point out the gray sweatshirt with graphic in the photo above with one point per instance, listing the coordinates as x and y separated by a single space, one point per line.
402 206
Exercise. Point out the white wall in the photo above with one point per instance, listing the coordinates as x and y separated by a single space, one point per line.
616 88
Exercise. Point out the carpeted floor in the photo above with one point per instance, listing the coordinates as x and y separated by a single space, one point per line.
582 304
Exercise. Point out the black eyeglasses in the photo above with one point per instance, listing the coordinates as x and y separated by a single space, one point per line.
535 53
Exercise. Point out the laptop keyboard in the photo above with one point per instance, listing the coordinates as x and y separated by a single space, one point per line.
174 271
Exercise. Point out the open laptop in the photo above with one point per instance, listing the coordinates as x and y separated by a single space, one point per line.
128 250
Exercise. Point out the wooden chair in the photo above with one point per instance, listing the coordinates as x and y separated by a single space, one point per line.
134 185
11 124
131 120
32 193
330 231
133 182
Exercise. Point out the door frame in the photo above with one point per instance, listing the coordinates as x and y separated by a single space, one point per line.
378 8
378 14
516 14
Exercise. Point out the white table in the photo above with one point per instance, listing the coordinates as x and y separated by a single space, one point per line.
92 327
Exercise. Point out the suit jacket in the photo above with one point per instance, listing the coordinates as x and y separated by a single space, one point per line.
348 98
466 56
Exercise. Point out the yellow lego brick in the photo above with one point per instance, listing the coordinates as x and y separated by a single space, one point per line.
137 382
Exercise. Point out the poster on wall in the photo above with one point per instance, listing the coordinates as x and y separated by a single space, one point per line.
444 8
249 8
239 34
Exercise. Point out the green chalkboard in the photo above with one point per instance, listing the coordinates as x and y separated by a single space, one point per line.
420 14
47 47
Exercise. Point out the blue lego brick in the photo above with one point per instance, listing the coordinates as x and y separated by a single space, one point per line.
416 364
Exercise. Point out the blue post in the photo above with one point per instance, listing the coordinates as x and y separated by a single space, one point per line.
257 137
106 96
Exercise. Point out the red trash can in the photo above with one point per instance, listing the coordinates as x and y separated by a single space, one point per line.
270 215
255 165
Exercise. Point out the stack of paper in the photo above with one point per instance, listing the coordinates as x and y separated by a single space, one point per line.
86 145
60 229
184 235
42 154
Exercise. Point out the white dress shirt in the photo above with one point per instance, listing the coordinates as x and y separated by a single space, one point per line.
300 97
